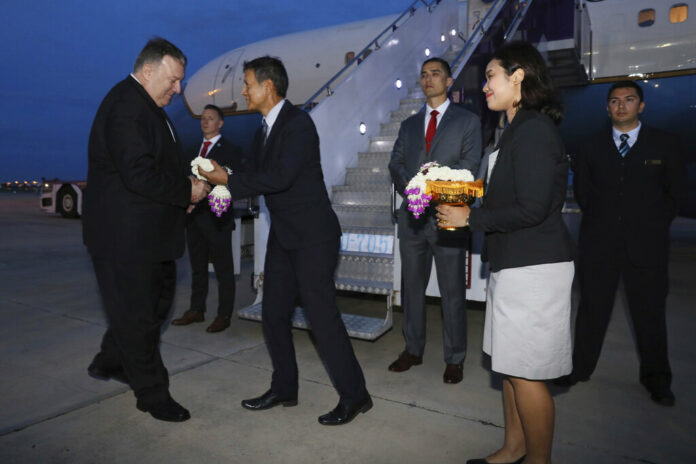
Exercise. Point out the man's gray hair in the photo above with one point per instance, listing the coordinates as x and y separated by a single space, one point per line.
156 49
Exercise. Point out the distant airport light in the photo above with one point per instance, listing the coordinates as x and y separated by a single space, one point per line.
398 83
363 128
453 32
427 52
657 85
443 38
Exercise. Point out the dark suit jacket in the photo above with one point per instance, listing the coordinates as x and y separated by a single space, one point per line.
521 211
229 155
137 189
631 199
457 144
287 170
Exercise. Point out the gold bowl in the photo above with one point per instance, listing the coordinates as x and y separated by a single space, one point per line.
453 193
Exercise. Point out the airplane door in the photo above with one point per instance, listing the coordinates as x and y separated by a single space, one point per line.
229 82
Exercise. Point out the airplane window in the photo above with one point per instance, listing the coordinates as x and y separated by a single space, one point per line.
646 17
678 13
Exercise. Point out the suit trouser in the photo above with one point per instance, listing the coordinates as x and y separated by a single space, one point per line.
646 292
307 275
137 298
417 253
217 243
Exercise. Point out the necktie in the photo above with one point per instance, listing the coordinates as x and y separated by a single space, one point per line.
430 133
264 128
204 150
624 147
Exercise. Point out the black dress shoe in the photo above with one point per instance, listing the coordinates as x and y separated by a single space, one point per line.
343 414
454 373
267 401
662 395
483 461
165 410
100 372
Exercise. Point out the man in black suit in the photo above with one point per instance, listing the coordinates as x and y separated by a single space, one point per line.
303 244
450 135
629 181
209 236
133 223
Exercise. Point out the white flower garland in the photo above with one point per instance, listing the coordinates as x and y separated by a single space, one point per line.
219 198
418 200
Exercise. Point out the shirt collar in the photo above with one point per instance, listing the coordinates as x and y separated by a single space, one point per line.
212 141
632 135
440 109
272 115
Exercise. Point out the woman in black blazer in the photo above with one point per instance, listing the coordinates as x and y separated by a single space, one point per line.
527 328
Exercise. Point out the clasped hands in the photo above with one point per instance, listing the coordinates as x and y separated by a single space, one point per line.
453 216
201 188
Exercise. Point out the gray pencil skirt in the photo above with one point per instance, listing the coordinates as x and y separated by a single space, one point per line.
527 327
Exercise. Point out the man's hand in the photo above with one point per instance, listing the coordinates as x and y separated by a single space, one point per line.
217 176
199 190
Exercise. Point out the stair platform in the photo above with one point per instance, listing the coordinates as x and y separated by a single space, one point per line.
362 327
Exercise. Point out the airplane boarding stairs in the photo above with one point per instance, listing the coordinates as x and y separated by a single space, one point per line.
363 198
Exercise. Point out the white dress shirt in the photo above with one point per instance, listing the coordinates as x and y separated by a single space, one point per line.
632 135
212 141
272 115
440 110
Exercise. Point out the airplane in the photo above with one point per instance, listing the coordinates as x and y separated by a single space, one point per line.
360 80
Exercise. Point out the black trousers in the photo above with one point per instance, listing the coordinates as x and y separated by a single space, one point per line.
417 253
217 243
137 297
307 275
646 292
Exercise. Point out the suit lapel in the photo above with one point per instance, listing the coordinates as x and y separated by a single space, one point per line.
420 137
275 130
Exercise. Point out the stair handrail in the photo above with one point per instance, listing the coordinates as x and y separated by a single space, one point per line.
475 38
517 19
359 56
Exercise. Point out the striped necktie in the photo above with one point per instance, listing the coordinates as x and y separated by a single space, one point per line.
624 147
264 131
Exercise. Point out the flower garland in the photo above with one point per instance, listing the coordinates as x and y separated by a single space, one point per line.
416 190
219 198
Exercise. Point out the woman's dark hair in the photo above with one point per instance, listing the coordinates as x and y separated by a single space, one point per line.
537 91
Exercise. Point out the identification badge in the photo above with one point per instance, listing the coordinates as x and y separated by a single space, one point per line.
653 162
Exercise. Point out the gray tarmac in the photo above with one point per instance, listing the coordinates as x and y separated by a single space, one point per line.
51 411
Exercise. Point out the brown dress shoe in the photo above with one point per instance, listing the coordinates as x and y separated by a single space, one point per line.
453 373
219 324
189 317
405 361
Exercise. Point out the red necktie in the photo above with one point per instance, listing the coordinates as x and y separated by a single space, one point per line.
204 150
430 133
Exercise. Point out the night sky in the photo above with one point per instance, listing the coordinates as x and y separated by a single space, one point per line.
60 58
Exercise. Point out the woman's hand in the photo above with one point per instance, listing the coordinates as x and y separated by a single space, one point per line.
453 216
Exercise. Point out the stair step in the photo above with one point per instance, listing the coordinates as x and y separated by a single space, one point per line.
382 142
374 159
363 327
390 128
416 93
413 101
366 270
401 115
367 176
364 195
353 217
